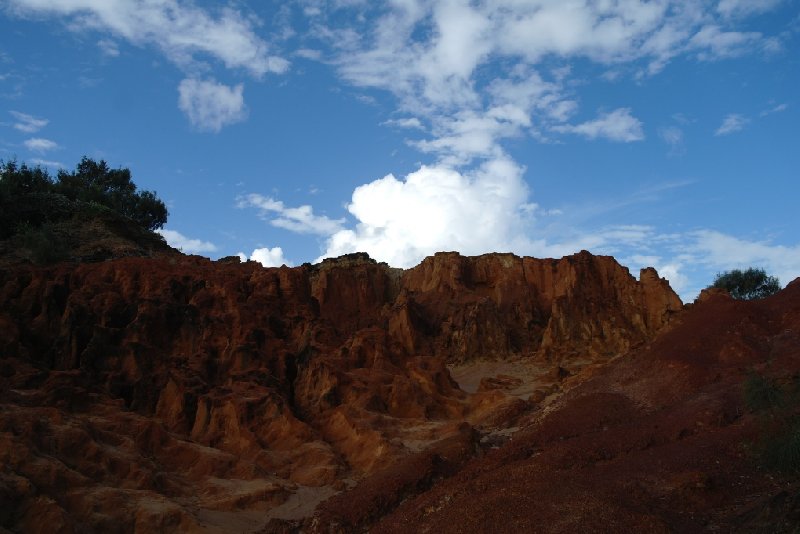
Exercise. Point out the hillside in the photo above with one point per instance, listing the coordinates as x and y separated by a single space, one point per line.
178 393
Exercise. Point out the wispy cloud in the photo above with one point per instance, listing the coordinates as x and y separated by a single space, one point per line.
722 251
48 163
300 219
185 244
39 144
411 123
211 105
738 8
713 43
188 35
732 123
108 47
28 123
672 135
180 29
775 109
617 125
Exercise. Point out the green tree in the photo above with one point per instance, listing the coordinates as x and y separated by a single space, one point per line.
93 181
747 285
29 197
25 198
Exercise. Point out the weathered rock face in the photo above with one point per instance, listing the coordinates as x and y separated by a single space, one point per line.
178 384
499 304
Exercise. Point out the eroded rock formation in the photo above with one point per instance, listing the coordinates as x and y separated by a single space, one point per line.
178 391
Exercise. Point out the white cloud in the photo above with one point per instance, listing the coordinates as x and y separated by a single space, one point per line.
732 8
187 245
672 135
309 53
726 252
437 208
411 123
108 47
671 270
617 125
300 219
775 109
178 27
211 105
28 123
38 144
715 43
731 124
431 55
268 257
689 260
48 163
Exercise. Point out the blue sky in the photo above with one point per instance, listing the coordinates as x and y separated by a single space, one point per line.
663 132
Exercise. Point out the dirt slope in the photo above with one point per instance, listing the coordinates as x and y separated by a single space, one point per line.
659 441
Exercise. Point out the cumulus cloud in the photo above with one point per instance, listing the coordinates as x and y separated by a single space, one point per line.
39 144
476 74
210 105
617 125
268 257
28 123
300 219
181 29
437 208
732 123
185 244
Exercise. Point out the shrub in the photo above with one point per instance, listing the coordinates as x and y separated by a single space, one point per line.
778 447
747 285
762 394
42 244
780 450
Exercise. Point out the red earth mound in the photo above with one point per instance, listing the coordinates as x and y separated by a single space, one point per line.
177 393
661 440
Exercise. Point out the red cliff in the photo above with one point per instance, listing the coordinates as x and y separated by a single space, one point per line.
178 390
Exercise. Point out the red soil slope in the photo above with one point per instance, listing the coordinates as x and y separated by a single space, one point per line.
659 441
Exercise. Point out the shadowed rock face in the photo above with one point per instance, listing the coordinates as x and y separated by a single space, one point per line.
661 440
177 390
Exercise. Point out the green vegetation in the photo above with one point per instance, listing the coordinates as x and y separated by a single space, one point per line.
30 198
778 407
747 285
